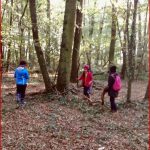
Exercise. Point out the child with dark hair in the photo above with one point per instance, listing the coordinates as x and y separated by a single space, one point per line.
109 88
21 76
87 81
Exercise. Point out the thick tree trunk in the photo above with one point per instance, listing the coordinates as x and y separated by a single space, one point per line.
77 39
64 70
131 53
41 60
113 36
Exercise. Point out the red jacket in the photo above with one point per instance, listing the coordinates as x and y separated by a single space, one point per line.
87 80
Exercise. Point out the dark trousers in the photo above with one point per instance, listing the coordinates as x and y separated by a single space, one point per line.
21 92
113 104
86 91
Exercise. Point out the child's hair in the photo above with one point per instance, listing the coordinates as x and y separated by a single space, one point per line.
113 69
22 63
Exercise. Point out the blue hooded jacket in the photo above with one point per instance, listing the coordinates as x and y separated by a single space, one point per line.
21 75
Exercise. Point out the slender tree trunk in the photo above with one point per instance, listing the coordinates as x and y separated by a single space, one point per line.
139 46
4 8
77 39
9 43
131 52
64 70
113 36
91 31
125 43
48 42
0 75
98 48
39 52
21 46
147 93
21 29
142 46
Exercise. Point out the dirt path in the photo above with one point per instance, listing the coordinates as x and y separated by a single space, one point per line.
69 123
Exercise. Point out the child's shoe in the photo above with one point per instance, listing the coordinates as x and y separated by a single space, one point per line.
23 104
18 98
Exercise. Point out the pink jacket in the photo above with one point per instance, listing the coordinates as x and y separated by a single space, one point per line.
88 80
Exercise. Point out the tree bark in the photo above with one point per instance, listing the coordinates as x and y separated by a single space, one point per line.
39 52
98 48
125 43
9 43
131 52
64 70
113 36
77 40
21 29
142 46
147 93
48 42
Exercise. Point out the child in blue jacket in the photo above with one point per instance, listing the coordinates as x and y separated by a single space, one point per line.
21 76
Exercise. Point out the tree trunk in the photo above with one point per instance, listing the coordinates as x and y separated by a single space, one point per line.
4 8
147 93
21 29
9 43
125 43
48 42
64 69
98 48
113 36
131 53
21 46
40 56
142 45
77 39
0 75
91 31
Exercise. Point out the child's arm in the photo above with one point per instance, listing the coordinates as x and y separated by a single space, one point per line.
81 77
91 79
27 75
15 74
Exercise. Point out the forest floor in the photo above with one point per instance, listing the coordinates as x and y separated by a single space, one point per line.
55 122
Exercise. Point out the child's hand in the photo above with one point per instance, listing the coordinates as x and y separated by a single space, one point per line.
90 83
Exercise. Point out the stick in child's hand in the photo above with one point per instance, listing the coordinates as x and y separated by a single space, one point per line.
103 94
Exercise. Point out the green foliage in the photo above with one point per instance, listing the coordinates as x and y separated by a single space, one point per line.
94 13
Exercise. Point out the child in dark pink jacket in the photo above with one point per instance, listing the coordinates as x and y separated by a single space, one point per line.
87 81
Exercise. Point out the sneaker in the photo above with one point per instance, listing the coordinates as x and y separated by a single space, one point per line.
23 104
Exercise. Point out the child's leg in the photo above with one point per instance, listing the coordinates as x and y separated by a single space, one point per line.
113 104
87 93
23 89
18 93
